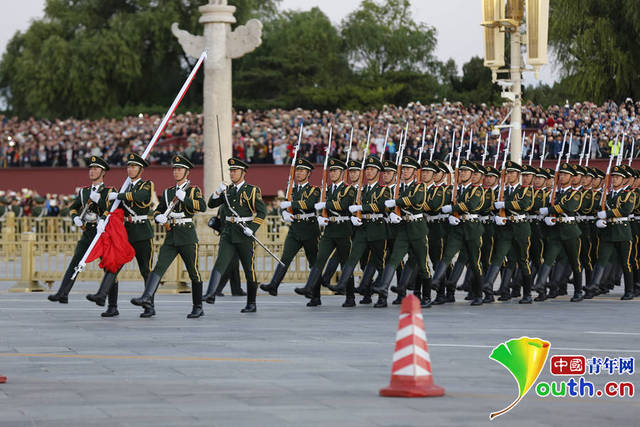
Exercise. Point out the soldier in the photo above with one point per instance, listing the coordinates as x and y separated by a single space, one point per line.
87 212
136 202
244 212
303 229
337 229
178 204
232 275
616 243
370 232
411 231
565 234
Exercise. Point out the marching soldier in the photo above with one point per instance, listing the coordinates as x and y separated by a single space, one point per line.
87 212
178 204
244 212
337 229
136 202
303 229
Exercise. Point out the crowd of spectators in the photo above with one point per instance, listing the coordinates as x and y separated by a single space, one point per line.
270 136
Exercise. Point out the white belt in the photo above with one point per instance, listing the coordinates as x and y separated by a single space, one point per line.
434 218
179 221
372 217
581 218
176 215
623 219
339 219
532 217
233 219
632 216
566 219
517 218
485 218
304 216
412 217
470 217
136 218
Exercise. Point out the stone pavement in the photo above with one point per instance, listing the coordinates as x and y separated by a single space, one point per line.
289 365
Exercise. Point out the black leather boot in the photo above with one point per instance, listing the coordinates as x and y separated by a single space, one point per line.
556 282
425 301
408 274
345 277
382 301
196 299
329 270
62 296
252 289
628 286
214 281
150 288
350 301
516 282
541 282
112 308
454 276
596 280
149 311
278 275
381 288
490 278
100 297
438 282
578 295
476 291
527 282
313 279
234 281
364 288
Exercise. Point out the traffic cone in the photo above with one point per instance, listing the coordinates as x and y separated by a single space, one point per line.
3 379
411 371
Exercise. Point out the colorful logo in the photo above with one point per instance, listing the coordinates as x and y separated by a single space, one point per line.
524 357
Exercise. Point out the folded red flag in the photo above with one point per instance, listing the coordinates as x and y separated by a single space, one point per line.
113 246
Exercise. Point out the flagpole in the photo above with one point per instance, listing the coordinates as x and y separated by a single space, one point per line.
82 264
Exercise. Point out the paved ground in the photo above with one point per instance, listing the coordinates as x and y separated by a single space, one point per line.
289 365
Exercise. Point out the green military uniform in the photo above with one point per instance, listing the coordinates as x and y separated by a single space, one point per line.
244 212
85 211
181 238
303 229
336 235
136 202
369 237
586 222
616 239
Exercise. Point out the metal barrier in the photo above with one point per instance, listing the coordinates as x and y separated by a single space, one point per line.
38 250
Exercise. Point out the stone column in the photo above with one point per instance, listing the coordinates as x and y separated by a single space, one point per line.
222 46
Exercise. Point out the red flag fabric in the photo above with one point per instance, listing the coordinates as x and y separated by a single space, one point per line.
113 246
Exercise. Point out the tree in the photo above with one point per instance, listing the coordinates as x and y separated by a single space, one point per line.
596 42
384 37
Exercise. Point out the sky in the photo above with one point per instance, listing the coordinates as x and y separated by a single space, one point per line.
459 35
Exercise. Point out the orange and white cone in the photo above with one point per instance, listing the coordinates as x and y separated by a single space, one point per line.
411 371
3 379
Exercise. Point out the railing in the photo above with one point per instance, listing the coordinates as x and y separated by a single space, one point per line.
38 250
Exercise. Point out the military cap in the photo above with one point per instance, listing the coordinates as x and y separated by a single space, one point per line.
540 172
599 173
336 164
410 162
550 172
619 170
491 171
134 159
513 166
627 170
388 165
179 161
528 169
466 164
98 162
353 165
579 170
373 162
480 168
235 163
443 166
304 164
430 166
591 172
567 168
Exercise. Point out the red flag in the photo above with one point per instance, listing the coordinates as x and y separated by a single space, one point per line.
113 247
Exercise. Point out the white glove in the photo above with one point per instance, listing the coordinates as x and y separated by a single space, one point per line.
447 209
320 205
355 208
285 205
550 221
180 194
356 221
77 221
247 231
543 211
601 223
499 205
287 217
221 188
602 214
161 218
395 219
322 221
102 224
390 203
113 195
453 220
500 220
95 196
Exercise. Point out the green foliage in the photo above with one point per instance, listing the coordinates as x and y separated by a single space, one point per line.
596 41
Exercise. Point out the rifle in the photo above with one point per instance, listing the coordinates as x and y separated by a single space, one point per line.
349 149
292 171
419 173
364 161
323 190
584 146
503 177
396 190
453 145
533 147
484 152
569 150
433 148
470 141
621 150
633 145
495 159
173 204
454 193
605 186
386 143
552 195
586 162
